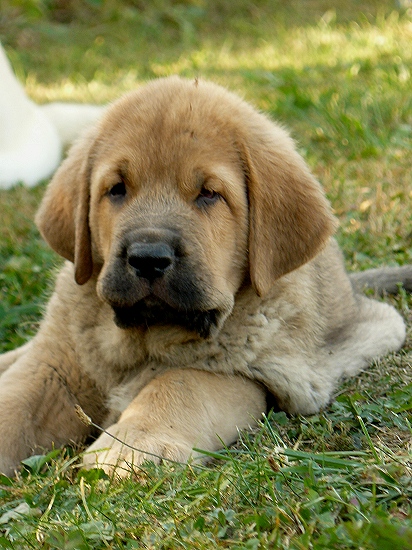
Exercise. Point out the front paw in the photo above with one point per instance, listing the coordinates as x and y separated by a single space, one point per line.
131 447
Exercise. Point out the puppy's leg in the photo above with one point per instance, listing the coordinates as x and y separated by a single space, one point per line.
37 397
8 358
178 410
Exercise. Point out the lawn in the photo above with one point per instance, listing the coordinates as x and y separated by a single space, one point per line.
338 74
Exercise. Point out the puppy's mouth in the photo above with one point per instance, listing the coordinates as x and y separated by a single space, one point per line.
152 311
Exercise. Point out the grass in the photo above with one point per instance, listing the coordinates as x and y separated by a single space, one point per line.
338 74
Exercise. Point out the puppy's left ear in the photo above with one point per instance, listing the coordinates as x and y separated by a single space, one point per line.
63 216
290 219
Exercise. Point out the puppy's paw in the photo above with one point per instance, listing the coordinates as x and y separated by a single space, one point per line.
131 448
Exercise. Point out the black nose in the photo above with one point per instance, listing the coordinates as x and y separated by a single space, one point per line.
150 260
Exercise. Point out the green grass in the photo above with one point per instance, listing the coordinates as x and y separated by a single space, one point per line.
338 74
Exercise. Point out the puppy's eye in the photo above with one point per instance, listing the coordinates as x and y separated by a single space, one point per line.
207 197
118 191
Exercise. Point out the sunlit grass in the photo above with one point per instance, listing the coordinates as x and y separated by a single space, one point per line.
353 51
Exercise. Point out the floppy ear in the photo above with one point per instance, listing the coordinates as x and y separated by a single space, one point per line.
290 217
63 216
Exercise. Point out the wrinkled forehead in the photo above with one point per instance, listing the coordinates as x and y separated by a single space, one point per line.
168 138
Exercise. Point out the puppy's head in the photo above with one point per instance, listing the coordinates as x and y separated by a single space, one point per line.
181 194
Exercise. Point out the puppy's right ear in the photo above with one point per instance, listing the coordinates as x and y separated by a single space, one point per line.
63 216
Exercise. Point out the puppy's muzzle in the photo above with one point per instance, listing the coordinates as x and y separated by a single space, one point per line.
150 260
156 278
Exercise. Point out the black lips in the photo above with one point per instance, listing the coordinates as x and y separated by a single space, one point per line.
146 313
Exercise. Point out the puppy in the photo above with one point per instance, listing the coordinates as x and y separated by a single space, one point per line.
201 274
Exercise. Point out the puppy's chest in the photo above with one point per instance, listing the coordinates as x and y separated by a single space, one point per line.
245 336
257 331
234 351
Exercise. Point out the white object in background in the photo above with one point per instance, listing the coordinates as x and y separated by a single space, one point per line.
30 147
70 119
32 136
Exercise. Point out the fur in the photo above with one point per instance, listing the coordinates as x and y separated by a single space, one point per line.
201 274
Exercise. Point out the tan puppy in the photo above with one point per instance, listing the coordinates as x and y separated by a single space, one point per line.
201 274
